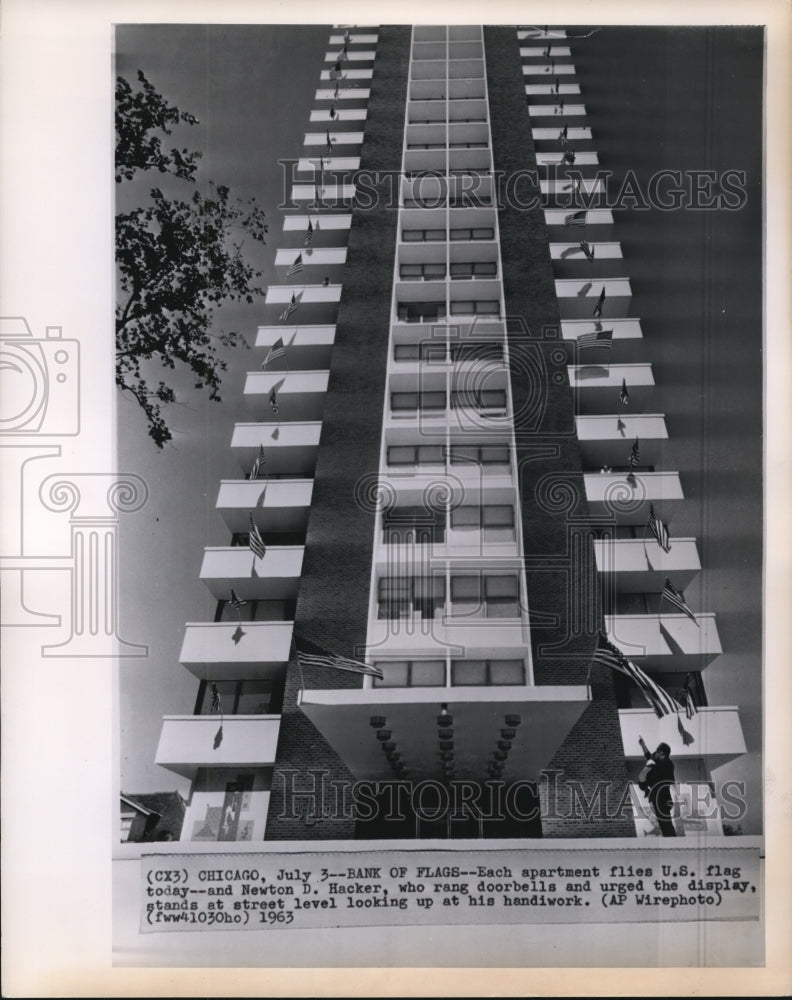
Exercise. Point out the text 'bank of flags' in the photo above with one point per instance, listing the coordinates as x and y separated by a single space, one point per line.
310 654
611 656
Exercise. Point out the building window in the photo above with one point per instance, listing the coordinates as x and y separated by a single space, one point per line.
411 673
422 272
409 402
420 312
251 697
479 233
473 269
481 307
485 596
495 458
412 455
465 673
126 825
402 597
487 399
413 525
423 235
491 523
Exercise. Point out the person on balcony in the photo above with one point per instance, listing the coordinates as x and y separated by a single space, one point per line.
656 781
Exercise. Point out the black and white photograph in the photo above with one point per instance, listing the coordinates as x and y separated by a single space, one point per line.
401 585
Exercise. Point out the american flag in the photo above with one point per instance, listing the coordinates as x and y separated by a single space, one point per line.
690 704
296 266
335 93
256 542
215 704
346 36
587 249
635 455
600 303
556 85
677 599
236 601
335 72
258 465
276 351
564 133
273 400
333 113
312 655
624 396
576 218
289 308
659 530
308 235
611 656
596 338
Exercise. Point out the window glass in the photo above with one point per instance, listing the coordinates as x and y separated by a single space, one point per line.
428 673
507 672
404 400
395 673
466 519
467 672
401 455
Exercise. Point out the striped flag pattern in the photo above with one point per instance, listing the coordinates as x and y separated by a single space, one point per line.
600 303
596 338
236 601
587 249
296 267
564 133
290 308
308 235
311 655
690 705
624 396
659 530
257 546
215 704
635 455
611 656
276 351
258 465
575 219
677 599
273 400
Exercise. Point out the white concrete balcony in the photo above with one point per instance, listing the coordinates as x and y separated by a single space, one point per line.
276 577
289 448
299 395
187 742
344 94
667 642
626 339
352 55
328 193
548 89
640 566
318 256
544 69
597 385
313 304
277 504
607 439
341 115
561 187
355 38
305 295
308 347
346 74
540 51
334 221
337 139
537 33
557 110
570 260
598 223
575 133
418 636
262 653
541 718
717 735
613 496
577 297
329 163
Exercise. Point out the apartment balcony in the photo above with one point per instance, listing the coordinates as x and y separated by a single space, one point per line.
570 260
559 189
549 90
614 497
717 736
597 385
276 577
598 223
667 642
278 505
626 339
353 55
344 94
338 138
537 719
308 348
607 439
341 116
262 653
577 297
334 222
557 111
356 38
299 395
306 295
540 51
544 69
468 482
318 263
541 33
349 74
311 166
327 195
290 449
187 742
640 566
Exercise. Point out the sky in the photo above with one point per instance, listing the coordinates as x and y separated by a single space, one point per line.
252 89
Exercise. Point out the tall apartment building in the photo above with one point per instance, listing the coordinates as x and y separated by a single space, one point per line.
450 482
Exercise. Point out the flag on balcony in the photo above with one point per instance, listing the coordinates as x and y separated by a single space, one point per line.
677 598
335 93
587 249
569 157
330 140
289 308
635 455
596 338
687 738
296 267
624 396
256 542
308 235
690 704
556 85
346 36
276 351
335 72
611 656
547 51
310 654
559 108
659 530
258 465
576 218
344 54
600 303
273 400
215 705
236 601
333 114
563 135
